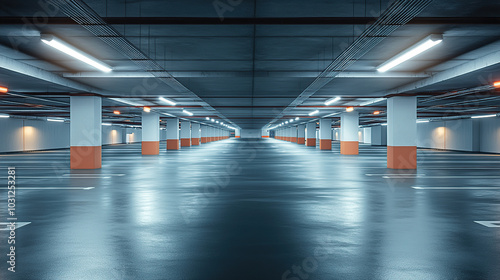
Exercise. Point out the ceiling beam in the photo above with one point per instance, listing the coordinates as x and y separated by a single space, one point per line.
257 21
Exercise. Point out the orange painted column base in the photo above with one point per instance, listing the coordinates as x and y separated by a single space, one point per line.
237 136
150 147
311 142
325 144
82 157
203 140
404 157
265 136
349 147
172 144
301 141
195 141
186 142
294 140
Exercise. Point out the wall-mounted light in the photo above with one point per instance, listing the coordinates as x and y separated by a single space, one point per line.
55 120
116 112
422 121
496 84
168 101
333 100
420 47
76 53
313 113
4 116
376 113
349 109
147 109
106 124
187 112
4 90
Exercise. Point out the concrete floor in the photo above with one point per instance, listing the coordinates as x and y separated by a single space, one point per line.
254 209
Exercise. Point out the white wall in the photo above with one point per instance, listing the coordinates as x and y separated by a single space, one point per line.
251 133
489 135
17 135
367 135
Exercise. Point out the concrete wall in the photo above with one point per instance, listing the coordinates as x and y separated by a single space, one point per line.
17 135
367 135
251 133
489 135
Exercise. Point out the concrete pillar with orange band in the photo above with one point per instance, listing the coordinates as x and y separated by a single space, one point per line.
85 132
204 134
150 133
311 134
173 134
301 134
195 134
237 133
293 134
402 132
185 134
325 134
349 138
265 133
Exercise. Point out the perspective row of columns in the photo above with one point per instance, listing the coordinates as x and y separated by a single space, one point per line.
401 133
86 133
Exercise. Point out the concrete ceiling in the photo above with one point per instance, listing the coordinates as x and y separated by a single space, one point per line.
250 65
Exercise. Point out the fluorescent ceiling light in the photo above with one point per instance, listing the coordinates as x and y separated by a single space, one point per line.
333 100
207 118
427 43
121 100
372 102
187 112
313 113
4 116
297 118
106 124
55 120
4 90
167 101
483 116
422 121
70 50
212 120
216 121
349 109
147 109
384 124
286 122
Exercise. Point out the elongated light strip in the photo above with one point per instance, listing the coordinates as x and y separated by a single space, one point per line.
187 112
4 116
167 101
333 100
313 113
55 120
70 50
483 116
427 43
4 90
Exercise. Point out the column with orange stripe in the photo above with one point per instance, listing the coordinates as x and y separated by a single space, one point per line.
402 132
150 133
265 133
85 132
349 138
237 133
185 134
173 134
301 134
325 134
311 134
204 134
195 134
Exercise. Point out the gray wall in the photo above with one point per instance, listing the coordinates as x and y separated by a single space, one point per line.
379 135
251 133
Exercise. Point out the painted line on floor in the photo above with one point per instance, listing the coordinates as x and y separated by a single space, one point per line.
489 223
442 177
18 225
371 175
55 176
55 188
90 174
456 188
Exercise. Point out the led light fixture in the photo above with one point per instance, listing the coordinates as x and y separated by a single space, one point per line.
167 101
333 100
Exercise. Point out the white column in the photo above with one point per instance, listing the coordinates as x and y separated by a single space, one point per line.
185 134
150 133
85 132
349 127
173 134
325 134
402 132
265 133
195 134
301 134
311 134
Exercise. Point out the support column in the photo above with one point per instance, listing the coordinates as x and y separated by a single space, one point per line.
195 134
349 127
311 134
85 132
204 134
265 133
237 133
325 134
301 134
293 131
212 134
173 134
150 133
402 132
185 134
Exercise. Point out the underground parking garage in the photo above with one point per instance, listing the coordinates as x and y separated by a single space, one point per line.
249 139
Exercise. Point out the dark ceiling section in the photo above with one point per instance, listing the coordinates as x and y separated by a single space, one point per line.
250 59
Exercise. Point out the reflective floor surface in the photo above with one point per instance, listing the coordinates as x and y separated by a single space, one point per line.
253 209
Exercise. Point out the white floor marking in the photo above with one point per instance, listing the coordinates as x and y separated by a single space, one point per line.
489 223
55 188
442 177
456 188
395 174
55 176
78 174
18 225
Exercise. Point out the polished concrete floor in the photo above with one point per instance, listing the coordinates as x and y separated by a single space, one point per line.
254 209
